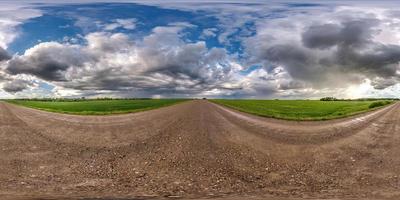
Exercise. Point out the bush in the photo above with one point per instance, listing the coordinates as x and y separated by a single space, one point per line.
329 99
378 104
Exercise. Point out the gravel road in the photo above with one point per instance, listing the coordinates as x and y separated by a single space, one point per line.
197 150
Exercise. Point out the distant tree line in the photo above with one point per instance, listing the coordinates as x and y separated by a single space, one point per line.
360 99
329 99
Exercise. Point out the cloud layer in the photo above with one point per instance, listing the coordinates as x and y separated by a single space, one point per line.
254 51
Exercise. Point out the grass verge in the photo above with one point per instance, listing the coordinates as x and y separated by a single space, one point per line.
97 107
302 109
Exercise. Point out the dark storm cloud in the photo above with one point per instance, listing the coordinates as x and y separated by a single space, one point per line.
298 61
321 36
4 55
340 52
16 85
356 51
382 83
45 69
288 85
356 33
381 60
48 61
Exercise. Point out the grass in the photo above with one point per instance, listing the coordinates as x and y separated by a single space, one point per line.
301 109
97 107
379 104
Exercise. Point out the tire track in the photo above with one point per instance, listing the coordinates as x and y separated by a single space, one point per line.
310 132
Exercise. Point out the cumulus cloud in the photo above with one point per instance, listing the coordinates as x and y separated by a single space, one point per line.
160 63
48 61
16 85
89 24
4 55
209 32
128 24
13 84
11 16
3 77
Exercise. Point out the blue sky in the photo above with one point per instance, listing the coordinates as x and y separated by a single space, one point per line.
62 21
220 49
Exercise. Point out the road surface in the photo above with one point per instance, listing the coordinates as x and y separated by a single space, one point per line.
197 149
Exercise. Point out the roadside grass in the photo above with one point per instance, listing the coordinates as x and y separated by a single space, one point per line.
379 104
97 107
302 109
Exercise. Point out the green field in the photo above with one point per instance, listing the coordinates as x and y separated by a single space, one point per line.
97 107
301 109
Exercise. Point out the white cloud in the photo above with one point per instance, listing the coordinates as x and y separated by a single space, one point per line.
11 16
209 32
128 24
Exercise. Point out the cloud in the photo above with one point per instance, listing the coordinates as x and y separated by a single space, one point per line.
292 84
209 32
93 24
48 61
350 33
87 24
333 50
3 77
4 55
11 16
128 24
160 63
16 85
383 83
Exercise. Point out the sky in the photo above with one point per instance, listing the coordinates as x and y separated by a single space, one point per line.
186 49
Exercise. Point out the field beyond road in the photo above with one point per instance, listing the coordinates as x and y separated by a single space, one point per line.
97 107
301 109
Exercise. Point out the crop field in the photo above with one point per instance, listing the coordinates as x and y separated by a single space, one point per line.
302 109
97 107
